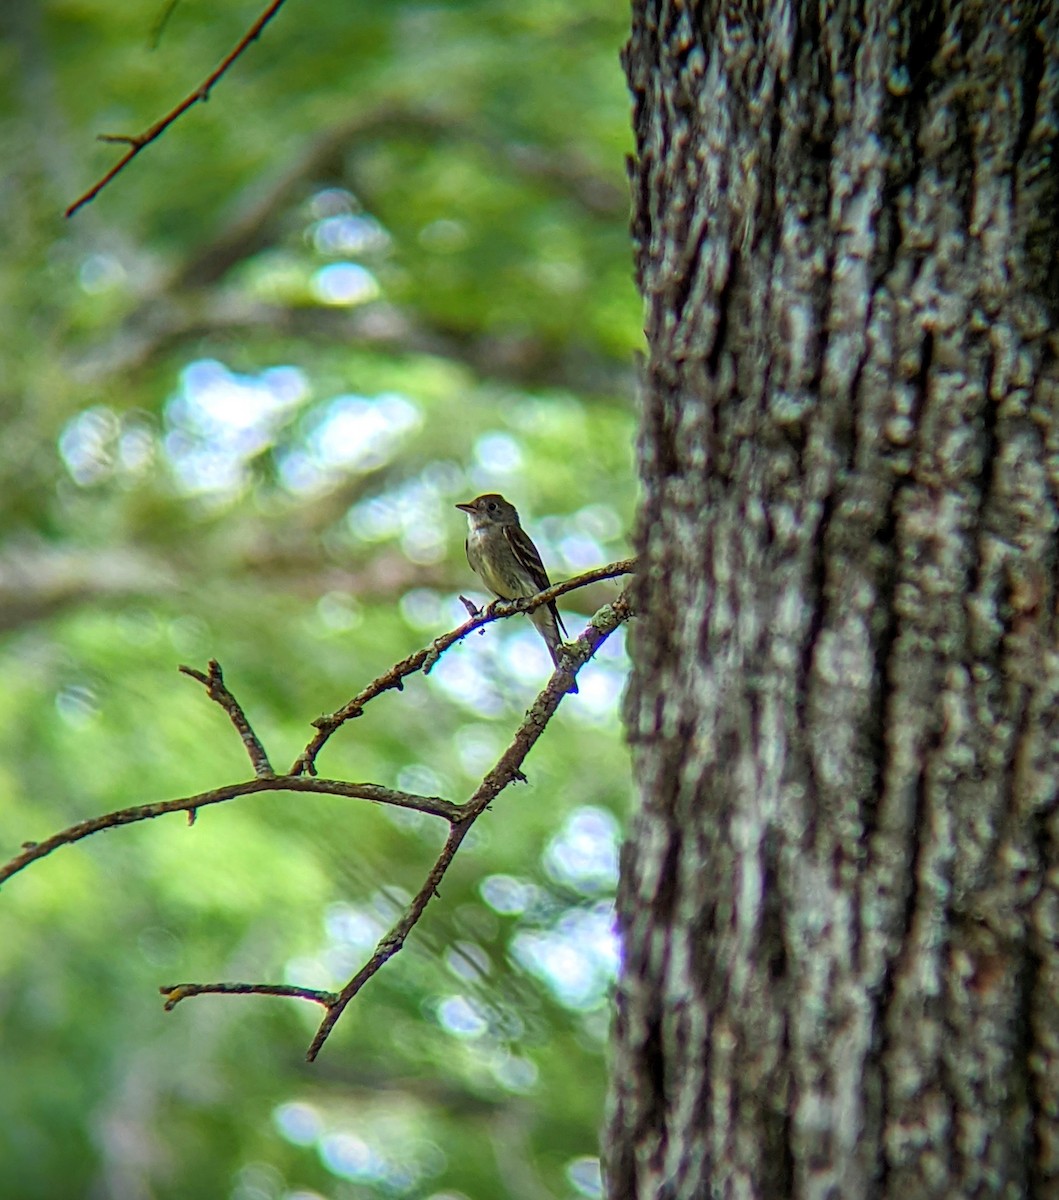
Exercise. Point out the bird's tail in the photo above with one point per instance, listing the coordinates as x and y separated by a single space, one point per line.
548 627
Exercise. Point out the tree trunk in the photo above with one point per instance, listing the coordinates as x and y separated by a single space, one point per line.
840 901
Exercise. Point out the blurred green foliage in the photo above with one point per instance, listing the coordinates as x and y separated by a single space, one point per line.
383 269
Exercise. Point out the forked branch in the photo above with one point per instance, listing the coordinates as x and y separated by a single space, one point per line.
424 660
507 769
302 778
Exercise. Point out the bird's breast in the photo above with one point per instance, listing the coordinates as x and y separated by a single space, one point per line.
486 549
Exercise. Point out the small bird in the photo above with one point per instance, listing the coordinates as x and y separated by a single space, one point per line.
507 562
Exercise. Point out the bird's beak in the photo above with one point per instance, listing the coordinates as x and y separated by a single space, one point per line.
467 508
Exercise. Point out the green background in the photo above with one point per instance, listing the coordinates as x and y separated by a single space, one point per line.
385 268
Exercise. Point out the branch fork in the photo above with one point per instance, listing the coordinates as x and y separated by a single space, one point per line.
302 778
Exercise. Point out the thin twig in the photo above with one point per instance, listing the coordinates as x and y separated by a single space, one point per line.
175 992
395 938
162 22
213 682
32 851
140 141
506 770
424 659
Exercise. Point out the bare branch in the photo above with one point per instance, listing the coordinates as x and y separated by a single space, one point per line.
507 769
216 690
460 817
140 141
32 851
175 992
425 659
395 938
297 780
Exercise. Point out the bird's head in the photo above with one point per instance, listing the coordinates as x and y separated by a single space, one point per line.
490 509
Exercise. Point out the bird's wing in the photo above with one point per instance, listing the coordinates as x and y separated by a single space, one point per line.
526 553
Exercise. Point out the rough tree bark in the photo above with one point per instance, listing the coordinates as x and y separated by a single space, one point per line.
840 902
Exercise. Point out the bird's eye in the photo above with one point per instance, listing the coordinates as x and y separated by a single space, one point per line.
491 506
